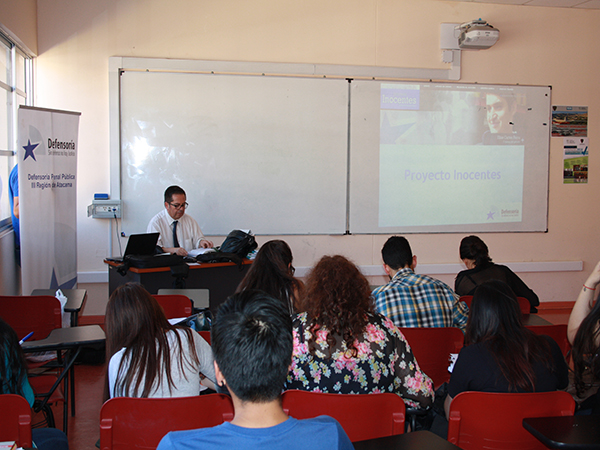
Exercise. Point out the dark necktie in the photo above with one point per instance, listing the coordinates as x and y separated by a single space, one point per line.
175 241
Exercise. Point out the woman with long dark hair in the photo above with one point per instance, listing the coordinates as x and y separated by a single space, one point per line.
273 273
475 255
341 345
13 373
500 354
148 357
583 332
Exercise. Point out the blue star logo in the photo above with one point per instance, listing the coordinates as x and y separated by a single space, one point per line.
491 215
29 150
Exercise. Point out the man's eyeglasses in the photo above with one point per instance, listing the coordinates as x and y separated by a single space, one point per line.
179 205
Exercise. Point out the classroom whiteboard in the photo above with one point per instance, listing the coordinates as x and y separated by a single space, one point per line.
305 154
267 154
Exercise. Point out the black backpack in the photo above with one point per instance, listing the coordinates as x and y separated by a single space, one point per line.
238 242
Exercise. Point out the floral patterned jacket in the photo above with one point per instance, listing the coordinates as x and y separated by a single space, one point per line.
384 363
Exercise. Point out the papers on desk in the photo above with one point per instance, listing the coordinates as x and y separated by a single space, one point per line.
200 251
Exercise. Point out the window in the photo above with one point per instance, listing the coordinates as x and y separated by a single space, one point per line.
15 90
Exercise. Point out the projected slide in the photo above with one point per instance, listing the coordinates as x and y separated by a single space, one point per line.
450 155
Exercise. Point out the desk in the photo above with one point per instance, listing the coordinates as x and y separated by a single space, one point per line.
534 319
417 440
221 279
568 432
75 300
71 340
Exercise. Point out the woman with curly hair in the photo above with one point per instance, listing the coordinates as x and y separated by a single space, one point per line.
148 357
583 332
341 345
272 272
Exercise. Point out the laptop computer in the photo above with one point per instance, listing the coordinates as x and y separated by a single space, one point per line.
139 244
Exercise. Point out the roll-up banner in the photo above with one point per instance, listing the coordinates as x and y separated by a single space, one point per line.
47 158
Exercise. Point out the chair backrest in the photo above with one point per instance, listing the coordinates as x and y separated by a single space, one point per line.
199 297
175 306
432 347
495 420
556 332
524 304
362 416
15 420
205 335
38 313
467 299
140 423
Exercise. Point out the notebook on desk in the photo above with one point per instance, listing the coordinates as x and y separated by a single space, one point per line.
139 244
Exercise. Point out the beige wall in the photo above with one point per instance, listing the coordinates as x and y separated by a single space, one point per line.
540 46
19 17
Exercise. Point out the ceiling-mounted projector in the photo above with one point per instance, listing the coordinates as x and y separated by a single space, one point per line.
477 34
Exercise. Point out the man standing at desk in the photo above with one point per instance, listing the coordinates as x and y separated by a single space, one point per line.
179 232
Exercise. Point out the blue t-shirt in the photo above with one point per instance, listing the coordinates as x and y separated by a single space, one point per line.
13 191
322 432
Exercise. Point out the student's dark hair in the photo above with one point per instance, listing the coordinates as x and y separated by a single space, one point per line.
273 273
586 351
396 252
135 321
472 247
251 339
171 191
337 298
13 368
495 320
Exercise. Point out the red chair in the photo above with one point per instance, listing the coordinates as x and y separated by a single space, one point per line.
140 423
38 313
432 347
175 306
15 420
205 335
467 299
556 332
495 420
362 416
524 304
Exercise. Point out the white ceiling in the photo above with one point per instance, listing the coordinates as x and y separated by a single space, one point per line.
582 4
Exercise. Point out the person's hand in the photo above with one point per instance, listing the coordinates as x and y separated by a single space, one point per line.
594 278
180 251
206 244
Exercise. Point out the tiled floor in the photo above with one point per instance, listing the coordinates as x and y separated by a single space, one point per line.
84 428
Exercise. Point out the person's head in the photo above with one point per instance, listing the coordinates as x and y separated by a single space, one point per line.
273 273
338 297
13 367
131 312
175 202
494 310
495 320
473 250
252 344
500 113
396 254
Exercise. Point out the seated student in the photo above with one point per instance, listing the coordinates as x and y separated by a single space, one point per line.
252 345
414 300
584 334
500 354
273 273
13 372
341 345
148 357
474 253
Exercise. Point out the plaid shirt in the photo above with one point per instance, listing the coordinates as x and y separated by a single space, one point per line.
412 300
